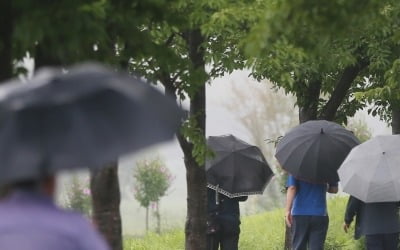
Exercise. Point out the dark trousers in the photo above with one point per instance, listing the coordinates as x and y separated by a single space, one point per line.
227 236
309 231
382 241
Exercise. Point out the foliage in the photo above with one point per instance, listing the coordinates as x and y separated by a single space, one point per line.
360 129
78 196
263 231
152 181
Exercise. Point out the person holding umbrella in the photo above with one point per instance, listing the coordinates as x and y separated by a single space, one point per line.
237 170
312 153
378 221
224 221
371 175
60 121
306 212
31 220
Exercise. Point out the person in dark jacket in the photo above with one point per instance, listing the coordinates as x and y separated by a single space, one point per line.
379 222
223 221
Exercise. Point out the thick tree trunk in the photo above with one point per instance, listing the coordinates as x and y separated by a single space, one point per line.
6 31
106 200
195 230
396 120
44 57
308 100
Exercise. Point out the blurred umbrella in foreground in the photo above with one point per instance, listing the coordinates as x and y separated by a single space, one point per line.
371 172
314 150
84 118
238 168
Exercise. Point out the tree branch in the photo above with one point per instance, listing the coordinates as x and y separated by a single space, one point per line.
342 87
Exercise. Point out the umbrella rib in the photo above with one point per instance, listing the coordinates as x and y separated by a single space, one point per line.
302 160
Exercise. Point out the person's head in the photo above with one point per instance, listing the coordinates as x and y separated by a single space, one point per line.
45 185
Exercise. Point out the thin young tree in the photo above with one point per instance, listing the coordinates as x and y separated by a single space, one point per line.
152 181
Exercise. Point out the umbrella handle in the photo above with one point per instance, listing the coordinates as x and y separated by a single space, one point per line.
216 195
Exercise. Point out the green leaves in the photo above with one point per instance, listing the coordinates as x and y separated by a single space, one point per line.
195 135
152 181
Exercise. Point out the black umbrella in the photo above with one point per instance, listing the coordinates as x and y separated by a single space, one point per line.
238 168
84 118
314 150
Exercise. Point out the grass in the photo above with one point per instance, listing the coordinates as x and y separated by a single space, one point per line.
263 231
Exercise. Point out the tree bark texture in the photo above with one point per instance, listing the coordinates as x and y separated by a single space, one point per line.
44 58
195 229
6 31
396 120
310 98
106 200
341 90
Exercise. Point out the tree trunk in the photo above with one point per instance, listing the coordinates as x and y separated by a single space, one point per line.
44 57
342 88
106 199
396 120
147 219
6 31
308 101
158 216
195 229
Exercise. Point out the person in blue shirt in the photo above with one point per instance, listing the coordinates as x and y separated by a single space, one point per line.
306 212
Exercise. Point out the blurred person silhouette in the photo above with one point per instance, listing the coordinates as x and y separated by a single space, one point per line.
223 223
378 221
306 212
30 220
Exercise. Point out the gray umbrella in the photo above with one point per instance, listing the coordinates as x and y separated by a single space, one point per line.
371 172
84 118
314 150
238 168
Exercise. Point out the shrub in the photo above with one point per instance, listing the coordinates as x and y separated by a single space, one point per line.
78 197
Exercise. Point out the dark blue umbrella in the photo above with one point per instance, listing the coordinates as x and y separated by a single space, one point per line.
314 150
84 118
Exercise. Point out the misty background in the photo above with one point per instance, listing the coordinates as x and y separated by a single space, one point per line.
238 105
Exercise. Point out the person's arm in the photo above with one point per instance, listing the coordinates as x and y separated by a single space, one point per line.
352 208
290 194
291 191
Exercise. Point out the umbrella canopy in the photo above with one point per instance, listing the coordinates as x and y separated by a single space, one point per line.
314 150
84 118
238 168
371 172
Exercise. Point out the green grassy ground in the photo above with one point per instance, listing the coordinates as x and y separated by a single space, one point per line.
263 231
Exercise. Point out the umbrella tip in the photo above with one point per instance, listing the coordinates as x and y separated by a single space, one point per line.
322 130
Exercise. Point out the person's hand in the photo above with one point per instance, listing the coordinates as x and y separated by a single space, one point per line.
288 219
346 227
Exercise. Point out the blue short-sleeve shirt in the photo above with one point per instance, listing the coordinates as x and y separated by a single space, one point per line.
310 198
